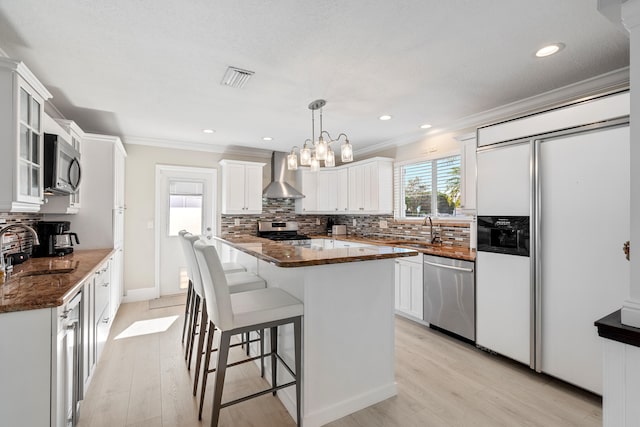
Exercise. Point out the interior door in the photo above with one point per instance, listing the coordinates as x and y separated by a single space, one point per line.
185 199
584 221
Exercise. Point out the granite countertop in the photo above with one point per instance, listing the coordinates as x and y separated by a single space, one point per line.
49 282
418 245
286 255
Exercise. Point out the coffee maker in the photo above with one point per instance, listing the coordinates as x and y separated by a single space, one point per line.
55 239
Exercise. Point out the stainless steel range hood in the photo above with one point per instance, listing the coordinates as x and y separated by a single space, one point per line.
281 177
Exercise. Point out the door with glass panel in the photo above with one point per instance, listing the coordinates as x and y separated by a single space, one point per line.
185 200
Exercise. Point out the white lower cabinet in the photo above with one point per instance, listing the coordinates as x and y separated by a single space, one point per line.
409 286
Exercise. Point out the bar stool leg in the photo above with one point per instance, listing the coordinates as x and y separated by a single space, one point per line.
187 307
223 353
297 333
205 373
204 321
261 353
194 327
274 361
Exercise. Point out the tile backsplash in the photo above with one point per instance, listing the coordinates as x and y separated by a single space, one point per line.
452 233
18 240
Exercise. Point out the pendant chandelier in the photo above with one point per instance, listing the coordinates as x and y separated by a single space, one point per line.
319 150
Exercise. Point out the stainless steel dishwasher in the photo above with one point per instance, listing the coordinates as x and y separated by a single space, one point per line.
449 295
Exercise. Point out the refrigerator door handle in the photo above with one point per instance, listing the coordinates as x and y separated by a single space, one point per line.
450 267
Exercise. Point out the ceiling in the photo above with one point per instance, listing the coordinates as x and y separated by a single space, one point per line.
150 70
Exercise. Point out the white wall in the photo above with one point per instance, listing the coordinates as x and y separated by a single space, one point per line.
140 201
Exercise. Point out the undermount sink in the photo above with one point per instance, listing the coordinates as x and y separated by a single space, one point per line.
44 272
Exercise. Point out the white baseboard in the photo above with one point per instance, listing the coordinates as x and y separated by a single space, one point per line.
142 294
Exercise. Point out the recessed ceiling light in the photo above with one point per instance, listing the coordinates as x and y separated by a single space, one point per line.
208 130
267 138
385 117
549 50
425 126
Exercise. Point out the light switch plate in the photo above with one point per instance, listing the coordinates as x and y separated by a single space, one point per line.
236 222
355 223
383 224
3 221
317 221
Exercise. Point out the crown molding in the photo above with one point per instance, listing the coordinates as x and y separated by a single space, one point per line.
198 146
609 82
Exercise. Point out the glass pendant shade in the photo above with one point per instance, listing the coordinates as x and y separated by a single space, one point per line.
315 164
346 151
321 149
292 161
305 156
330 159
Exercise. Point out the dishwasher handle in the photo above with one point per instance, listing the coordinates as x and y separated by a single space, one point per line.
450 267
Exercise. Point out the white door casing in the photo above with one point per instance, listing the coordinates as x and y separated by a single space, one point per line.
169 259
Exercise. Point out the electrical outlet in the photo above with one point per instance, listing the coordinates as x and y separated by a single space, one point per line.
383 224
3 221
355 223
236 222
317 221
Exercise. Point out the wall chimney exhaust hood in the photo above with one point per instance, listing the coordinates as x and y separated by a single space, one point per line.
281 177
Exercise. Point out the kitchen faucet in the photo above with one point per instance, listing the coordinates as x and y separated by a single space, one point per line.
434 238
10 227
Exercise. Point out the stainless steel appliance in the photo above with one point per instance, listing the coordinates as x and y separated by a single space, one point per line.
504 235
71 317
449 295
55 238
62 171
280 230
281 179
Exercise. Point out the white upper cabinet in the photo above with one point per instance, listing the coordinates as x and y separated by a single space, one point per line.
371 187
309 187
468 172
365 187
241 187
22 99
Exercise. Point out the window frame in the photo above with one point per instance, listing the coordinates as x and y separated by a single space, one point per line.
398 188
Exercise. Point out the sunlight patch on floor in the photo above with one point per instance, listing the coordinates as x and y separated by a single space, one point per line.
146 327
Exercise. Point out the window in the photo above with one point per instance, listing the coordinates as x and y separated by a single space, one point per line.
415 184
185 207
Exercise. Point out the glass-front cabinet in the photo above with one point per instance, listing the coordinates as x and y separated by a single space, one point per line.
22 99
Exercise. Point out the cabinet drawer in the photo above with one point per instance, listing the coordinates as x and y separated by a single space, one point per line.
102 331
102 291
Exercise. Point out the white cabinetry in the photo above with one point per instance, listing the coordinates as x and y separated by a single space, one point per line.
409 286
371 187
362 188
309 187
22 99
100 222
468 173
241 187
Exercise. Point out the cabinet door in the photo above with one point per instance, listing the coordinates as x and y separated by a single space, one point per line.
356 188
328 191
409 287
342 190
119 178
370 187
233 188
30 151
309 186
253 189
116 282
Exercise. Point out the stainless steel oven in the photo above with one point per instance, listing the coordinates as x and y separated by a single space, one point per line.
507 235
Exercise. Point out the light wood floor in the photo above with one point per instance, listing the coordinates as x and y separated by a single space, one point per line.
143 381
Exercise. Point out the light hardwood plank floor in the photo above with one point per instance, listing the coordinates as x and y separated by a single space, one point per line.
143 381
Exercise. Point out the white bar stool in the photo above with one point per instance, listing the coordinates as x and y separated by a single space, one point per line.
240 313
229 267
238 282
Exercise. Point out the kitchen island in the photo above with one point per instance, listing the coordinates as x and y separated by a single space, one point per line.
348 326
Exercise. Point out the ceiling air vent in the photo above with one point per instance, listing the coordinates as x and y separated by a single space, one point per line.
236 77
